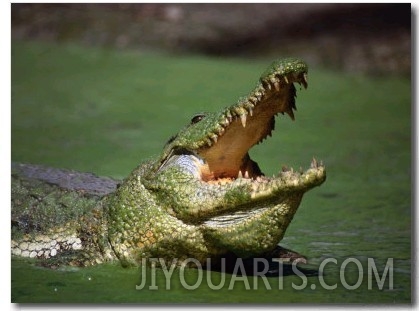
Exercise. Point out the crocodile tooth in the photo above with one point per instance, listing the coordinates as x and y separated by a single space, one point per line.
286 79
269 86
314 163
258 94
240 175
290 113
251 112
249 105
223 121
276 84
243 119
246 174
305 83
214 138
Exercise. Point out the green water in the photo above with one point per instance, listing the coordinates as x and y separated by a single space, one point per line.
102 111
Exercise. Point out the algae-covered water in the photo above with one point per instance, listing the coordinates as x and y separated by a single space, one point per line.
103 111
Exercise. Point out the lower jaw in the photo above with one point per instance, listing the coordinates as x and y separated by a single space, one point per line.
253 232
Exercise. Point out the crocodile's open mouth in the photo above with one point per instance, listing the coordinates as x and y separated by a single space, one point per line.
246 124
214 147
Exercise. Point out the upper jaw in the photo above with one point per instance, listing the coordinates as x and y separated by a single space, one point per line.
222 139
247 123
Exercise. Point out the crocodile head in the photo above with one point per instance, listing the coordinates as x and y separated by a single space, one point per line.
222 140
206 178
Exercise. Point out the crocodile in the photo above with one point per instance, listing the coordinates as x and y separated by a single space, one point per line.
202 197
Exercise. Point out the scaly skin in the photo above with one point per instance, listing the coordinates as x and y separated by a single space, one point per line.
203 197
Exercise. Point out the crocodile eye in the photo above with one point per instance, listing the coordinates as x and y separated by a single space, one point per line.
197 118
